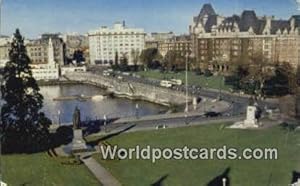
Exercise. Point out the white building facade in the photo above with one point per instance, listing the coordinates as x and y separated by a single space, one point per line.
5 43
108 44
49 71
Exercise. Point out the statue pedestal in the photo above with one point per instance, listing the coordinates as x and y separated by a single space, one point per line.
249 122
78 144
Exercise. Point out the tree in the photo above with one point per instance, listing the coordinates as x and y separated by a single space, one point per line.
78 56
150 56
174 60
124 62
259 71
117 59
135 58
23 125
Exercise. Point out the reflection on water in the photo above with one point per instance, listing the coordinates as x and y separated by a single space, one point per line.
91 109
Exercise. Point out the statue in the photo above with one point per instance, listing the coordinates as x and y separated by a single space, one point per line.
76 118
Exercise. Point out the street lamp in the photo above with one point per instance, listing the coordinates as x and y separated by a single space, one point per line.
188 56
224 180
1 136
105 122
58 112
137 111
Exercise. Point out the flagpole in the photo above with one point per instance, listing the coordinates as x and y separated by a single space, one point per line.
1 17
1 170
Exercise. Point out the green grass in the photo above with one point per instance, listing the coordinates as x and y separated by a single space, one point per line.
41 170
213 82
200 172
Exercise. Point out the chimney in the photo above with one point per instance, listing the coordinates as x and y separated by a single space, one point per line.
124 24
292 22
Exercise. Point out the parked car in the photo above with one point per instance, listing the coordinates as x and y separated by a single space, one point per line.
126 73
105 73
160 127
212 114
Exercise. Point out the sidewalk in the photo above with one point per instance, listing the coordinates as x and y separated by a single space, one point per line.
202 108
102 175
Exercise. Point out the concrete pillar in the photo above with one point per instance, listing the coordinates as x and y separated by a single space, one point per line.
224 181
195 103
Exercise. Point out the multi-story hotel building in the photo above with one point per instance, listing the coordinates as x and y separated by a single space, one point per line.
107 43
221 41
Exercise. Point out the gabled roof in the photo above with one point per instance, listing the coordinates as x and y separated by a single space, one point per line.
297 20
211 21
207 9
249 19
245 21
228 22
279 25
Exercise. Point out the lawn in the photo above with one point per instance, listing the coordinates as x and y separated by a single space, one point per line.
41 170
213 82
200 172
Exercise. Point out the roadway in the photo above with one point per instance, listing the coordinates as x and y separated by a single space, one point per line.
239 102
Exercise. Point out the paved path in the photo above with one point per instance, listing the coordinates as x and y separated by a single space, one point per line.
137 125
102 175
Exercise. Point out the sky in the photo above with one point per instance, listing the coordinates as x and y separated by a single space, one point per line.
34 17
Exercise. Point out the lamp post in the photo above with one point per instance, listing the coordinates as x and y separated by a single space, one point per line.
188 56
224 180
186 84
105 122
58 112
137 111
1 134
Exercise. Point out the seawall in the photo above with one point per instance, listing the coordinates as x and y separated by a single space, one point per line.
131 90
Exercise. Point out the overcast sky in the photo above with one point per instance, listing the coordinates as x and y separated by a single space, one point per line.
34 17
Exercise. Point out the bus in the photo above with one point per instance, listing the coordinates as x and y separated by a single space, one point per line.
167 84
176 81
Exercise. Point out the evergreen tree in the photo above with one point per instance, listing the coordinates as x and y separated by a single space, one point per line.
23 126
117 59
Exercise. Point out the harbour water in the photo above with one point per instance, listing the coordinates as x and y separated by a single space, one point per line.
60 111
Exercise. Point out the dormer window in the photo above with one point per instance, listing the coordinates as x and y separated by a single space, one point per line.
278 32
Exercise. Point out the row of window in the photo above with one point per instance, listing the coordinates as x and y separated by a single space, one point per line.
120 36
45 72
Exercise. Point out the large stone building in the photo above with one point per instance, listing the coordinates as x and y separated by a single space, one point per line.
38 49
181 44
107 43
221 41
153 40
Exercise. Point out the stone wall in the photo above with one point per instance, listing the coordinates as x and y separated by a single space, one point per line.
131 90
